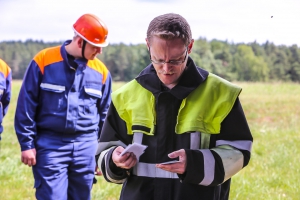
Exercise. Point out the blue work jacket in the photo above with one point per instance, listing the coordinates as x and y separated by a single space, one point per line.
5 90
58 99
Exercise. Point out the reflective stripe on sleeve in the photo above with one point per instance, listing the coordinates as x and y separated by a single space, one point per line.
100 159
209 167
103 157
232 160
149 170
239 144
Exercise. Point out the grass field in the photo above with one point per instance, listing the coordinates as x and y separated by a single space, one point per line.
273 113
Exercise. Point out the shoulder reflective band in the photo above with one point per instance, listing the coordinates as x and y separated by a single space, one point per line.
195 140
205 140
137 137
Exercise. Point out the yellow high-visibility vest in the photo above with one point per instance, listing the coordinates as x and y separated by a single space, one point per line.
203 110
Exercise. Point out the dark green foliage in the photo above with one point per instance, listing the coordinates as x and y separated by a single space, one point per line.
235 62
18 54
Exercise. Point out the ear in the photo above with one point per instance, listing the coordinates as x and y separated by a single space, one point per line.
79 42
190 46
148 43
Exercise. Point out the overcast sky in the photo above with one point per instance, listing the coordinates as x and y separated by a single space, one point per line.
127 20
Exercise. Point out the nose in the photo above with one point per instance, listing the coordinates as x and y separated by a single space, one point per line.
166 66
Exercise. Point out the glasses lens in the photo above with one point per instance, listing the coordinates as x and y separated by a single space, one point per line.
176 62
172 62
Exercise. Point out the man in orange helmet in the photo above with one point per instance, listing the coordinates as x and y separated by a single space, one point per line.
61 108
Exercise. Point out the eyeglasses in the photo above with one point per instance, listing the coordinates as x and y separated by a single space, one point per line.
172 62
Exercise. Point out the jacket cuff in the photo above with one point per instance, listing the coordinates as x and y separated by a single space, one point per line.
27 146
194 172
117 171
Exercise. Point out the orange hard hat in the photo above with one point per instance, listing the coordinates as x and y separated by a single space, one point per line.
92 29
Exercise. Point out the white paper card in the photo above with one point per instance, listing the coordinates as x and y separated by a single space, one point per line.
137 149
169 162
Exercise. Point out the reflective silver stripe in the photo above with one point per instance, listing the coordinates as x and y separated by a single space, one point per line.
93 91
107 167
53 87
239 144
232 159
209 167
149 170
104 145
100 159
137 137
205 140
195 140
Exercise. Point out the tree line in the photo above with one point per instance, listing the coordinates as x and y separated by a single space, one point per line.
235 62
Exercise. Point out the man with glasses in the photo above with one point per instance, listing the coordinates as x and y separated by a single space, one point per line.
191 121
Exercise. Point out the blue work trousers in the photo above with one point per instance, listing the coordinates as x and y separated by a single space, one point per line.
64 169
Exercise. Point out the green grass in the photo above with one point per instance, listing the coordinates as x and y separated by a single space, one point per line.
273 112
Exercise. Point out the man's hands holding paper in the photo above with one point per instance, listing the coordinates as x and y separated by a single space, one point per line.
127 161
127 158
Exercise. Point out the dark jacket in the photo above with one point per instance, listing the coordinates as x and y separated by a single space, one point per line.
234 135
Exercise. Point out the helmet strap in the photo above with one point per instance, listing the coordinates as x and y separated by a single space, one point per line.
83 48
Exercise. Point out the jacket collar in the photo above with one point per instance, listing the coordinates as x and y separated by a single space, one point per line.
190 79
70 61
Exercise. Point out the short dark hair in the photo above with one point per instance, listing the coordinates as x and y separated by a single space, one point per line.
170 26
